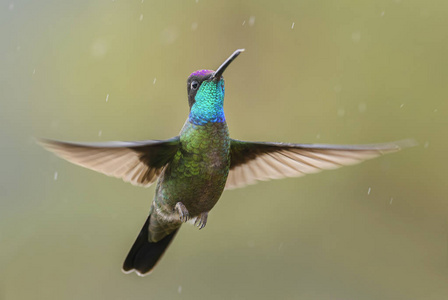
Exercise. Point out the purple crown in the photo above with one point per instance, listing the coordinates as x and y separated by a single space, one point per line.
202 73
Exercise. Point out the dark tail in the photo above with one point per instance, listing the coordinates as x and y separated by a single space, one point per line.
144 255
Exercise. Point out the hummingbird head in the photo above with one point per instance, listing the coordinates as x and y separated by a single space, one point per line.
206 93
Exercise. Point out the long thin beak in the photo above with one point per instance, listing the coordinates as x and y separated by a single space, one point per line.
218 73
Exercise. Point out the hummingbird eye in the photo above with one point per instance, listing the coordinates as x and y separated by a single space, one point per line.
194 85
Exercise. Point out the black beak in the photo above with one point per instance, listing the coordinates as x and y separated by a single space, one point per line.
218 73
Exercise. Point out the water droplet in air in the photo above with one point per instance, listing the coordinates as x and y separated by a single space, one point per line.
169 35
251 20
362 107
55 177
99 48
356 36
280 246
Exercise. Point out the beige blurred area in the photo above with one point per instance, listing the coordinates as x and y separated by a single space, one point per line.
343 72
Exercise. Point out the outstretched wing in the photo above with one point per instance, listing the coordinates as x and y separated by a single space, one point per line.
139 163
253 161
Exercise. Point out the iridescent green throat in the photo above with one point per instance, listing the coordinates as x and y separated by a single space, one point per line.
208 105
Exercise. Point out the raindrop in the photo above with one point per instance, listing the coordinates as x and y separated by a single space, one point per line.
100 133
251 20
341 112
34 71
194 26
179 289
244 22
362 107
292 26
107 97
55 177
11 6
391 199
154 81
99 48
401 106
426 144
280 246
141 17
435 110
169 35
382 14
356 36
368 191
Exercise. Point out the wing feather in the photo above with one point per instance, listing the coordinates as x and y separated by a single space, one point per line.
139 163
256 161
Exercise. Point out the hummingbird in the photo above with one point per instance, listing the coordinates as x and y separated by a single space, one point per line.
194 168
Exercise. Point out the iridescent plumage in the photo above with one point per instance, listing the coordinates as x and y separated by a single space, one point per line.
193 169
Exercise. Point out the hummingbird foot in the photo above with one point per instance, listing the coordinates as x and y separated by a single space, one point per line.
182 211
201 220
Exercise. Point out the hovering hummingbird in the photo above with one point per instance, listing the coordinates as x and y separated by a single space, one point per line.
194 168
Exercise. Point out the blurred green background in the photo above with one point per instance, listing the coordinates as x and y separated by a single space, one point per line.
342 72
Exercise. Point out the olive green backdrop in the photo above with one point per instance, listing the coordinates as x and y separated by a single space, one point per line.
313 72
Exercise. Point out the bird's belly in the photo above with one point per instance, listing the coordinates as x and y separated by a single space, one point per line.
199 192
197 185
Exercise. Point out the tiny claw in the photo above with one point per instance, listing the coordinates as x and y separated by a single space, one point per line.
184 216
201 220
